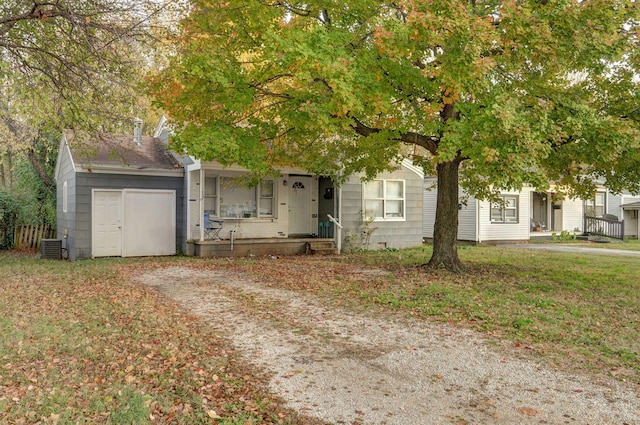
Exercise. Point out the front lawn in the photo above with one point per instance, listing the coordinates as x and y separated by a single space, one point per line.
573 311
82 344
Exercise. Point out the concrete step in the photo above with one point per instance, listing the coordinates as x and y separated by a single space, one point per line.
324 251
322 248
321 245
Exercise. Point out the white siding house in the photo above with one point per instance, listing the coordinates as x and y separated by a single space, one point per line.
479 221
527 214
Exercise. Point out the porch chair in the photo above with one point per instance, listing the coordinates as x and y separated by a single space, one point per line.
212 228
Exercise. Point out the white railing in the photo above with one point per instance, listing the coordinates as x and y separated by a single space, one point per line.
338 234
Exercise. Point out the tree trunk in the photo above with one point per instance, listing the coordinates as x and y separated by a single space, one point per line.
445 232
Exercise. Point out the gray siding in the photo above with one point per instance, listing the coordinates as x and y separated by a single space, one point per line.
467 216
80 245
430 199
390 234
65 222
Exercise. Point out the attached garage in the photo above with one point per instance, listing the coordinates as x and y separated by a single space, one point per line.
133 223
118 197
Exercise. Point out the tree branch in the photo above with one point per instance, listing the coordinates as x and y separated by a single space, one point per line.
430 143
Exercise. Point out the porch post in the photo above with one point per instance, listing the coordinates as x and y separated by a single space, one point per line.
201 203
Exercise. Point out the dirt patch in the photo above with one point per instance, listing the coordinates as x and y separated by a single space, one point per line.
367 368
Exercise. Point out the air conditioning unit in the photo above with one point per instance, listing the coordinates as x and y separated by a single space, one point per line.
51 249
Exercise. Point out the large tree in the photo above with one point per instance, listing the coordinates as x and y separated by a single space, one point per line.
78 63
497 93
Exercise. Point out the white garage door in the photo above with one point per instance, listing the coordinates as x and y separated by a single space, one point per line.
147 223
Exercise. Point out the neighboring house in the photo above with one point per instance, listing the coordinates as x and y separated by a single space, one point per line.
479 221
118 196
524 214
631 211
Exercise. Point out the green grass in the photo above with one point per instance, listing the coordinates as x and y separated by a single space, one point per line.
574 311
576 308
81 344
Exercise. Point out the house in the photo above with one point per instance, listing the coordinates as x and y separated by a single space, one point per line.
523 214
297 210
118 196
132 196
631 221
479 221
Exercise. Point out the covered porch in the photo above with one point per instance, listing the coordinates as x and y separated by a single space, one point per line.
631 220
261 246
230 215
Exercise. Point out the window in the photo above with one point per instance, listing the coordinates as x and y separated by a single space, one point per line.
210 195
505 211
231 197
384 199
266 198
65 197
597 205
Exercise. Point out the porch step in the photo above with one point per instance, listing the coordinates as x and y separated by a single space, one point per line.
322 248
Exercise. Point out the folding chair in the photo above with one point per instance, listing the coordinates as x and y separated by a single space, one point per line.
212 228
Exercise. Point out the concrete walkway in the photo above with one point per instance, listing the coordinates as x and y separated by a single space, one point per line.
574 248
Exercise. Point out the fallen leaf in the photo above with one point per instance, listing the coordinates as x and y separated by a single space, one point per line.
528 411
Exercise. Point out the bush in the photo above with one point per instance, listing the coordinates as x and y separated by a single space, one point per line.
9 208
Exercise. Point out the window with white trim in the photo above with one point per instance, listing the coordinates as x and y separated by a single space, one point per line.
596 206
231 197
505 211
384 199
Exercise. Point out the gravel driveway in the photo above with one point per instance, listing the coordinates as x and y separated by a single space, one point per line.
365 368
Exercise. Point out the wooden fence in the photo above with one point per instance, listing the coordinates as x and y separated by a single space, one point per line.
28 237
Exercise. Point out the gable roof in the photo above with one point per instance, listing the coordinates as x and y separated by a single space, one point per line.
117 152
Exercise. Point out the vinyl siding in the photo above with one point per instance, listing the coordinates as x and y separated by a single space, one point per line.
490 231
474 222
430 200
65 222
572 214
466 215
614 203
467 219
80 244
387 234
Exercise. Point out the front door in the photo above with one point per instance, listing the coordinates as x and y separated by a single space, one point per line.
107 223
300 205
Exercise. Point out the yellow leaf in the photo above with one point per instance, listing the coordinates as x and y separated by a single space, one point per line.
212 414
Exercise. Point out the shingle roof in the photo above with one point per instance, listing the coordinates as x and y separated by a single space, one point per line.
115 151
